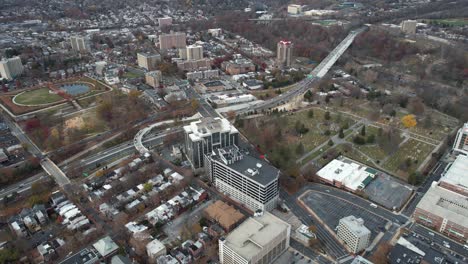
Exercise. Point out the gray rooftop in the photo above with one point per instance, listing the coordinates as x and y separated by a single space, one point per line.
253 168
255 233
442 202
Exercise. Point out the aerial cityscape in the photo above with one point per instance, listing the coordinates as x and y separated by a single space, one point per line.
234 131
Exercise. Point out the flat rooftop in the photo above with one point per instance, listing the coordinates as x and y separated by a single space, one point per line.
255 169
442 202
207 126
355 225
457 173
350 174
254 233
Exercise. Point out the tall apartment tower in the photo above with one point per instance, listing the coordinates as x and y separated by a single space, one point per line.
79 44
206 135
353 232
10 68
148 61
249 180
172 40
284 53
460 145
153 78
164 21
194 52
409 26
259 239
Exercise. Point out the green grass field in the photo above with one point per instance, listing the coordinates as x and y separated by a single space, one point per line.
37 97
415 150
457 22
132 75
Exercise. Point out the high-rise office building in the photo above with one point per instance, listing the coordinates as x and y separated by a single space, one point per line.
284 53
206 135
244 178
260 239
79 43
10 68
172 40
353 232
460 145
194 52
148 61
153 78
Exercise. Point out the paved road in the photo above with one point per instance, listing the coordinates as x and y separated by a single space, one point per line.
54 171
439 240
433 176
22 186
332 247
307 251
358 201
304 85
18 132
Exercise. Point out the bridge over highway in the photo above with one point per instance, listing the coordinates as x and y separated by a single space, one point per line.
301 87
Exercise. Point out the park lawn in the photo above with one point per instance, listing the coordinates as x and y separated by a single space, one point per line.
436 131
416 150
316 126
132 75
457 22
37 97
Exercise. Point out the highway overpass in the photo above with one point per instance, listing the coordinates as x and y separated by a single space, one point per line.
301 87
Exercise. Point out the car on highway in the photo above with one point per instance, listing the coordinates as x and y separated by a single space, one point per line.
373 205
446 244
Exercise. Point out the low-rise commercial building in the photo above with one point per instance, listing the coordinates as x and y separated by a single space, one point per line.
347 174
445 211
194 65
230 99
223 214
353 232
259 239
238 66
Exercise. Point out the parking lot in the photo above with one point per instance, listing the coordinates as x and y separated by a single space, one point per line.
331 209
388 192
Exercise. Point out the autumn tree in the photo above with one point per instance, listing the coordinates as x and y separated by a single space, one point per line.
409 121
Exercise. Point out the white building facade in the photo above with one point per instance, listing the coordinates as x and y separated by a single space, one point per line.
460 145
206 135
11 68
353 232
248 180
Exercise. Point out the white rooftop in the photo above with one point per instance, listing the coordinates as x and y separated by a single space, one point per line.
355 225
457 174
442 202
254 233
350 174
154 247
208 126
105 246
